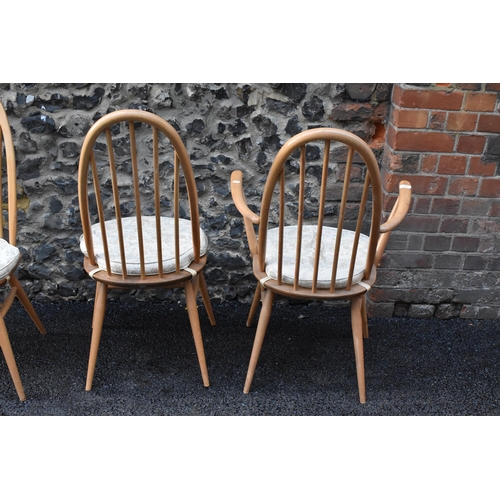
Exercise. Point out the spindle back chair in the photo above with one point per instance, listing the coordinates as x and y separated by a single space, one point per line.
139 209
10 256
319 229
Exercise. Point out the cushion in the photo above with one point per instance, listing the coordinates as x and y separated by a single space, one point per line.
9 258
129 227
329 235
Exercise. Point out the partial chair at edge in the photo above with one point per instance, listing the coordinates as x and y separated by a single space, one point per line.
304 249
10 256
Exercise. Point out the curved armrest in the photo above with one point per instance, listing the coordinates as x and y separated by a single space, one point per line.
400 208
249 218
239 197
397 214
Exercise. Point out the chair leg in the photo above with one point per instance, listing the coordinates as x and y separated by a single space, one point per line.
206 299
255 304
97 322
364 317
9 358
196 329
25 301
357 334
265 314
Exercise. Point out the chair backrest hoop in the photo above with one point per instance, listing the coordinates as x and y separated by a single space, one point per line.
276 174
181 157
7 144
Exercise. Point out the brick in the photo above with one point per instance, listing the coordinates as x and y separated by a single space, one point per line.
454 165
415 241
422 141
454 225
485 226
495 209
447 311
480 101
474 262
493 146
476 206
448 261
462 121
445 206
438 120
469 86
471 144
421 311
489 123
419 224
438 243
408 118
428 99
421 184
465 186
408 163
478 167
465 244
429 164
495 87
409 260
422 205
490 188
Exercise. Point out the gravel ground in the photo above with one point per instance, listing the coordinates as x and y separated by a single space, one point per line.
147 363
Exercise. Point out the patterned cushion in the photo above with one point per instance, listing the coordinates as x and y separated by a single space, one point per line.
9 257
308 247
129 226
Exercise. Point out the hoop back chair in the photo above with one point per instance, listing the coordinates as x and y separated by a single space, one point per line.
136 190
10 256
319 230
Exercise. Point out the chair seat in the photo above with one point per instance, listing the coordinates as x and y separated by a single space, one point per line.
9 258
129 227
329 235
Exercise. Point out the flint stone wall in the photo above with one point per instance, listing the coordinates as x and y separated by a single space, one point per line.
224 127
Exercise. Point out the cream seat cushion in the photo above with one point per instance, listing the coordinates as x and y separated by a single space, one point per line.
129 227
328 238
9 257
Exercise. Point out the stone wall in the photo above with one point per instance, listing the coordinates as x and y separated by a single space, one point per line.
242 126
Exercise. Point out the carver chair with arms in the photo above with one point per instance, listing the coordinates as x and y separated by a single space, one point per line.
10 256
139 210
319 235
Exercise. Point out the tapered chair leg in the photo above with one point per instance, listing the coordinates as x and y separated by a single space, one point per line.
10 360
255 304
97 322
196 329
206 298
265 314
365 317
25 301
357 334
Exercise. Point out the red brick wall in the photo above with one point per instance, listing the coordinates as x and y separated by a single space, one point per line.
444 260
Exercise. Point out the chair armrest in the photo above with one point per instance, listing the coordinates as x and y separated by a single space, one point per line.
397 214
239 197
400 208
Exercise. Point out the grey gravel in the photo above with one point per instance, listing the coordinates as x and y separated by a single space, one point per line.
147 363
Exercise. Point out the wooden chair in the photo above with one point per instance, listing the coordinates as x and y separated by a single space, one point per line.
10 256
140 221
313 246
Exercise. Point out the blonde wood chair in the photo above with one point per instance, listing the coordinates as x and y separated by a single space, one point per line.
10 256
139 211
320 235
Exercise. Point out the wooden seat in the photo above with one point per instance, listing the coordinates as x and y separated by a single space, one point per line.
320 235
10 256
140 221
